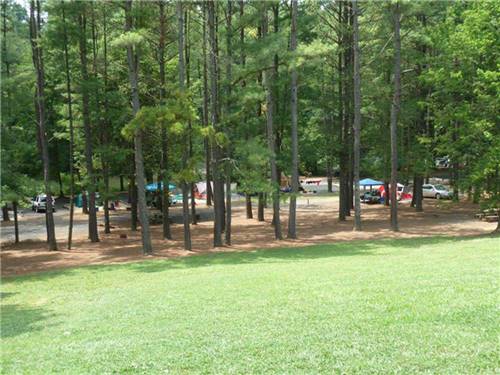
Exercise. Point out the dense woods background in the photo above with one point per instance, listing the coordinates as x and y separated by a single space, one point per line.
244 91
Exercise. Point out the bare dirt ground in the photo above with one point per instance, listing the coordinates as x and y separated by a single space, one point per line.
316 218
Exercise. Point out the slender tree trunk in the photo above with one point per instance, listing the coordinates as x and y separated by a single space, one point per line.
227 232
271 142
387 199
414 189
102 123
122 184
37 54
248 205
185 156
187 58
455 166
5 213
213 66
394 119
419 182
205 113
85 203
292 228
133 63
228 102
164 141
209 191
348 110
278 131
91 187
16 223
71 131
357 116
341 113
260 207
5 60
107 125
329 175
132 191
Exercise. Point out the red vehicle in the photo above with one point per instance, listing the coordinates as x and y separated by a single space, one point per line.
401 194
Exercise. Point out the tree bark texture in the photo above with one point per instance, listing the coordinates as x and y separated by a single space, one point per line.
37 54
133 62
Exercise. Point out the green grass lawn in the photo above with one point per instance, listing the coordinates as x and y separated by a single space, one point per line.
398 306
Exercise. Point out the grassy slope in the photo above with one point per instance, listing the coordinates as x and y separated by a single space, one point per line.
388 306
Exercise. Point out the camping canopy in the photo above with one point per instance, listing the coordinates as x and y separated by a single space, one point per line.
370 182
154 186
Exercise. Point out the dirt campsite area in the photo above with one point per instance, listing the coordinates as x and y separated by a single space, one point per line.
317 222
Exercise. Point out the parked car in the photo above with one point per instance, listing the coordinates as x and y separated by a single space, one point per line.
442 163
39 203
435 191
371 197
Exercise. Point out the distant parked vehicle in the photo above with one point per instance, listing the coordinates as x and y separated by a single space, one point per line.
442 163
317 185
371 197
435 191
39 203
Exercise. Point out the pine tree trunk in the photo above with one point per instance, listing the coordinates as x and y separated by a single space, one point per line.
227 232
205 113
133 63
85 203
419 182
329 174
394 119
71 132
292 227
229 62
187 49
5 213
357 116
185 156
132 192
207 169
248 205
260 207
37 55
348 110
455 166
5 60
267 78
164 141
91 187
16 223
107 125
341 114
213 70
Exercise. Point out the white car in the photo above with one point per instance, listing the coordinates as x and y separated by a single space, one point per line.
39 203
435 191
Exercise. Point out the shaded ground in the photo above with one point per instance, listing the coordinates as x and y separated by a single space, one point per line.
317 223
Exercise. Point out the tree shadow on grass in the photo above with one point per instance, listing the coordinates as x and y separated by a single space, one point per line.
286 254
17 319
294 254
4 295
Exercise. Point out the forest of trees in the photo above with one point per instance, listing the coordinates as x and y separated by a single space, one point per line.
244 92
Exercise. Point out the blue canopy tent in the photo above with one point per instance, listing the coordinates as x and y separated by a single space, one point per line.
154 186
370 182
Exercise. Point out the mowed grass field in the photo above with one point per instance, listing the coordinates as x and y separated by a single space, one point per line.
390 306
